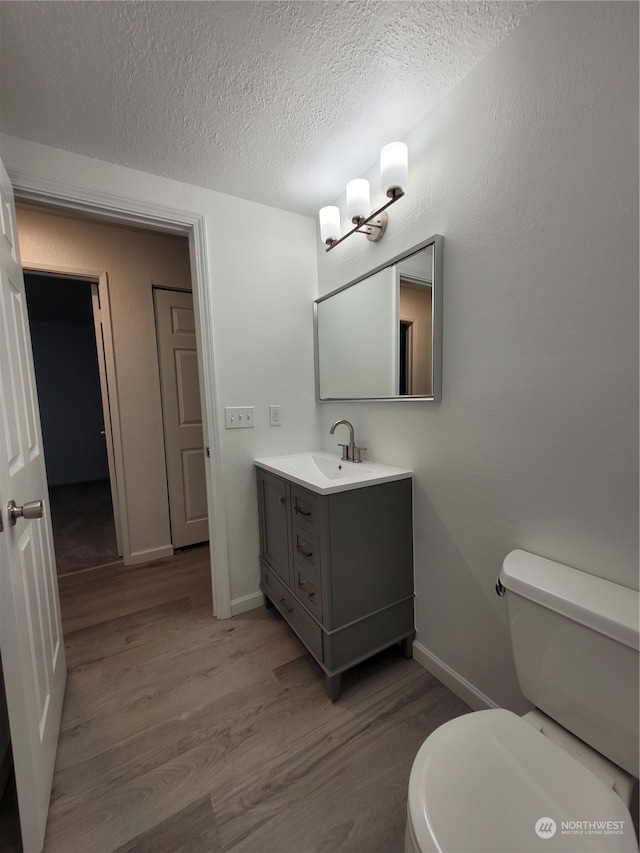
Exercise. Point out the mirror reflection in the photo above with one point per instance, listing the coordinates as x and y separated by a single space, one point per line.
378 338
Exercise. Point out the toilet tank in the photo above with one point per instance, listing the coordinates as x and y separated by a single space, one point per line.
575 647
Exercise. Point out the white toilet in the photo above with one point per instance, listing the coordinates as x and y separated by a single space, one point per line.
559 778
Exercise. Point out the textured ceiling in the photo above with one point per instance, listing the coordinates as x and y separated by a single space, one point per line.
278 102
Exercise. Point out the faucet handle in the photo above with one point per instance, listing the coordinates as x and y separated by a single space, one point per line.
356 453
345 452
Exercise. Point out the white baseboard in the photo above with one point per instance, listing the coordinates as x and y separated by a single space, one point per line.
148 555
475 698
247 602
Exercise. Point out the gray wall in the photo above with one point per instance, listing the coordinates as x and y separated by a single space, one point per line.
529 168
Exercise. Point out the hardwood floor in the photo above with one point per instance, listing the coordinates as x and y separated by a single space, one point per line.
183 733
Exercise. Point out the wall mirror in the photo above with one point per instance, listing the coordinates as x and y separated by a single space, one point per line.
380 337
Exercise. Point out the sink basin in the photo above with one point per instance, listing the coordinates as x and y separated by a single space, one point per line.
326 473
334 468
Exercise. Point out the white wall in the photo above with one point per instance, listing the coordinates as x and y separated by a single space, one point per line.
529 168
262 283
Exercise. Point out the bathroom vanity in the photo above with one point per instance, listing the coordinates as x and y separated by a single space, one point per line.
336 556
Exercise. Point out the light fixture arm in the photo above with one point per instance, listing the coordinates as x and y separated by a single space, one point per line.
376 220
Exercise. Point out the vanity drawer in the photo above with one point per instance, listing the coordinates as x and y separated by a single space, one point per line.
307 590
305 508
306 552
305 627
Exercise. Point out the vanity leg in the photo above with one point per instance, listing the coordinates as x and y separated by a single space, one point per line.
407 646
332 686
267 602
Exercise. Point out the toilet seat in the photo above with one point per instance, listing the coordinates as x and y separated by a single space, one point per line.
483 781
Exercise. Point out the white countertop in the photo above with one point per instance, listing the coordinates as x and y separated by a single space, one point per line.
325 473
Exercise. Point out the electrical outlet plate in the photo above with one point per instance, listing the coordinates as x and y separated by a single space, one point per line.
274 415
239 417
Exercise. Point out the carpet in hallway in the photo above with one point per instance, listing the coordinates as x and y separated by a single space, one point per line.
83 528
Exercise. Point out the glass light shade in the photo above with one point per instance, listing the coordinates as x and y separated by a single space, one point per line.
358 200
329 223
394 166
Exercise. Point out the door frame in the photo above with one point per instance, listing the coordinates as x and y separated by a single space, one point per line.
110 409
128 211
110 403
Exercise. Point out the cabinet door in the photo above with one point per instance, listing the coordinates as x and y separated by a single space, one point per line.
275 536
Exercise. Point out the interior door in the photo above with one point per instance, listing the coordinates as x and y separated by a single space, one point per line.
182 416
31 641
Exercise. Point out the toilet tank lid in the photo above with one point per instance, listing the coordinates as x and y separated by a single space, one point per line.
601 605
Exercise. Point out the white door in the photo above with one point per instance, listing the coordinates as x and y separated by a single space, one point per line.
182 416
31 640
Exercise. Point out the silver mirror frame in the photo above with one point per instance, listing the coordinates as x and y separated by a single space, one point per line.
437 242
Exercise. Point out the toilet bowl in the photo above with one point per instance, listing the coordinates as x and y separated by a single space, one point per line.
560 777
486 780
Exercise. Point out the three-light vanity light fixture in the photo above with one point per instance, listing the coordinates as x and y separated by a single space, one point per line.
394 170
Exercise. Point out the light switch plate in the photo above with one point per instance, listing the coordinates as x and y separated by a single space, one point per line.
239 417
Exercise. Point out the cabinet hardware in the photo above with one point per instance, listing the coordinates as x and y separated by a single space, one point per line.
282 500
307 554
310 595
303 512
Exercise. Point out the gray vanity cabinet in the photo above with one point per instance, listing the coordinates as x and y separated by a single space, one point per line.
339 568
275 534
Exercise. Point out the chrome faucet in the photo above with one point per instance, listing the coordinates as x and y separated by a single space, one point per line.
350 453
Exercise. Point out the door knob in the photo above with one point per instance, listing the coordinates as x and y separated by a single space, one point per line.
32 509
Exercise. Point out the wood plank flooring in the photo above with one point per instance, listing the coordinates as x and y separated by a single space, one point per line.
183 733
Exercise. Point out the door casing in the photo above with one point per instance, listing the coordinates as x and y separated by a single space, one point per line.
107 368
140 213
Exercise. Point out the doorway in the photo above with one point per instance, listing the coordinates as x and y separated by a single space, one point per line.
169 220
69 359
127 263
152 213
